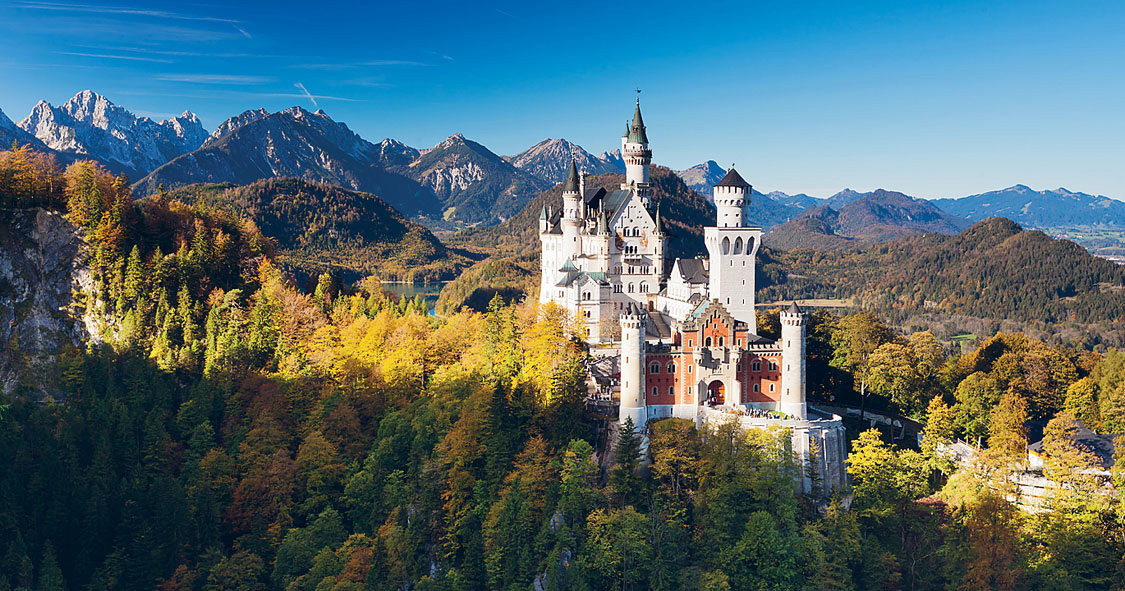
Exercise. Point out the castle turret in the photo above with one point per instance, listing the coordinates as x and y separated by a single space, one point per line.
793 323
732 246
633 321
731 200
637 156
571 221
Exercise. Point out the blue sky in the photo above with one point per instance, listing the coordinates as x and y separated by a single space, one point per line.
935 99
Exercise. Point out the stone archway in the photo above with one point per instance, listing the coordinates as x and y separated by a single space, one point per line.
716 392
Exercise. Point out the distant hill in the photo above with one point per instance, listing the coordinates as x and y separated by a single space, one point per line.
877 216
994 269
843 198
549 160
321 227
293 143
472 184
1039 209
90 126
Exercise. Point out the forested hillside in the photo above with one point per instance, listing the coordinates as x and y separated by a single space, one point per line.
231 432
994 269
319 227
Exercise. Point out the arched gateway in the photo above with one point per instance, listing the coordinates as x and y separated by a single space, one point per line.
716 392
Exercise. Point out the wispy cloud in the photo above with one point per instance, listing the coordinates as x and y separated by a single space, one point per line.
133 58
307 93
214 79
243 31
361 64
122 10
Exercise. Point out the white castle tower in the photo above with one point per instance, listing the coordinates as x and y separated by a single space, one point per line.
637 156
571 221
793 323
732 246
633 403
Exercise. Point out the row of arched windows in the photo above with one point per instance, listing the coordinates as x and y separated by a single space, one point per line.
738 246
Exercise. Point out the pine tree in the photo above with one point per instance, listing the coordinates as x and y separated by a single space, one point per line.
50 575
623 479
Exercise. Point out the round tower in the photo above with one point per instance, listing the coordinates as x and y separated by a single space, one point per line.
793 323
637 156
731 200
632 366
571 221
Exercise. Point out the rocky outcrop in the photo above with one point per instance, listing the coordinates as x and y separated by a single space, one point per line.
43 279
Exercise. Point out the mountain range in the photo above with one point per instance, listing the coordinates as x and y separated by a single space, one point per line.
877 216
457 183
1039 209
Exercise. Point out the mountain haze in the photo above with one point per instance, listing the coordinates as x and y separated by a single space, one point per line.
1039 209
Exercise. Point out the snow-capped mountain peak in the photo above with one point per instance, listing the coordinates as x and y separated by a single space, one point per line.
550 160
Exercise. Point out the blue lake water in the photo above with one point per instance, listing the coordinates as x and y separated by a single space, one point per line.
428 291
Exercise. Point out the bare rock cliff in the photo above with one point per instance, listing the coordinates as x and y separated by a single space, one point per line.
43 279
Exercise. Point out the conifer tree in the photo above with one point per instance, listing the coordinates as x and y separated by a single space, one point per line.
623 479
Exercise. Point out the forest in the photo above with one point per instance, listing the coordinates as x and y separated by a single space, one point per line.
229 431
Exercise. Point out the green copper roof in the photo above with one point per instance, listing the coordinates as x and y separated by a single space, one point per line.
543 213
637 133
626 134
572 179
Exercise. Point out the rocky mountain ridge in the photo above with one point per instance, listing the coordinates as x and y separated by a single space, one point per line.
550 159
90 126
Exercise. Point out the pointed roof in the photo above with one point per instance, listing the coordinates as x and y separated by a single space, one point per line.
626 134
571 185
732 179
659 224
793 308
603 223
543 213
637 133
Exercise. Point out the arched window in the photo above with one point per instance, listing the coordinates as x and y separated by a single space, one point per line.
671 390
654 368
671 367
738 245
707 342
655 392
756 388
756 365
750 245
722 341
630 288
726 245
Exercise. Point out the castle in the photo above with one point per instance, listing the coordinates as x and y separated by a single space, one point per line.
687 340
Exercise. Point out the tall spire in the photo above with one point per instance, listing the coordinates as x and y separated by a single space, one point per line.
603 224
659 224
637 133
571 185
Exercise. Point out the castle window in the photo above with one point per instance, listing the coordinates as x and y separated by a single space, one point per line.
726 245
756 388
655 392
671 390
644 288
690 342
773 367
707 342
671 367
689 368
631 288
586 295
772 387
739 342
722 341
756 366
654 368
738 245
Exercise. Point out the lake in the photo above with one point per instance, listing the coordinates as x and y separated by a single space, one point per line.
428 291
